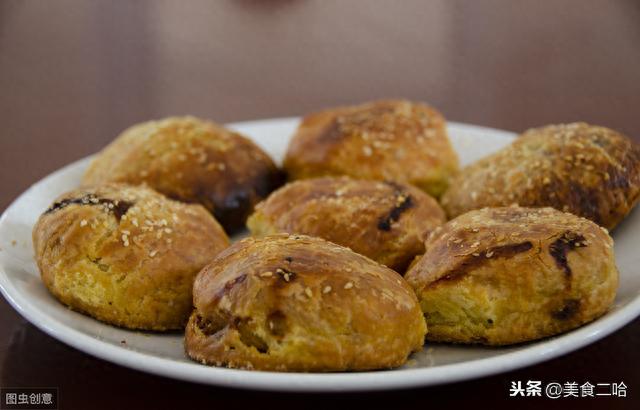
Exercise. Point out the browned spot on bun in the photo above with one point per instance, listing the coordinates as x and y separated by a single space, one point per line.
569 310
117 207
211 326
404 202
277 323
231 205
587 200
559 248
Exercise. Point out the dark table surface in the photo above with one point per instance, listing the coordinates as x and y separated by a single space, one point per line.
73 74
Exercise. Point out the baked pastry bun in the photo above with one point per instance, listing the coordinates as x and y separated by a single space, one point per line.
125 255
385 221
190 160
587 170
391 140
498 276
299 303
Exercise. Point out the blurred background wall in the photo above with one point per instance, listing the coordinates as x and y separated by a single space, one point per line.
73 74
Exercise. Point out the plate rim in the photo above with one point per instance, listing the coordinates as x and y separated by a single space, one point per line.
543 350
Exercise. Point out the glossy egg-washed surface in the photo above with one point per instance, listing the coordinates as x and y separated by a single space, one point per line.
587 170
507 275
190 160
299 303
125 255
391 140
388 222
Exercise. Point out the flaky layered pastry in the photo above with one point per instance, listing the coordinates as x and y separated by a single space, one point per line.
498 276
385 221
125 255
584 169
299 303
190 160
391 140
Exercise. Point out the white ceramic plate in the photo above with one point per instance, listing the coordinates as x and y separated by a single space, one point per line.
163 354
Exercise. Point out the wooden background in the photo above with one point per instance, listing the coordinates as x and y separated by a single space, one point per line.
75 73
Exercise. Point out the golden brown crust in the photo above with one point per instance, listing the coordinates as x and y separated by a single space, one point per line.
190 160
394 140
298 303
125 255
587 170
507 275
387 222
